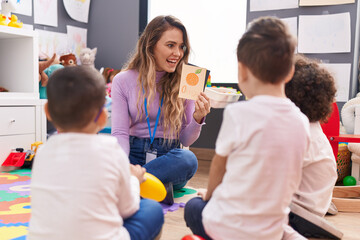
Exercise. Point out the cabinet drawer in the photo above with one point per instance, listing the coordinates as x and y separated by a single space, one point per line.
7 143
17 120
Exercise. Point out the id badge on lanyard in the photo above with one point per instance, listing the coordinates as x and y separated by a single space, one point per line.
151 154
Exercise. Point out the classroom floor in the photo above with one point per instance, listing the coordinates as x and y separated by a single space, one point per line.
15 208
175 227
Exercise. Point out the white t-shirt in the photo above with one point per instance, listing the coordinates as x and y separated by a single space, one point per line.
265 140
81 188
319 174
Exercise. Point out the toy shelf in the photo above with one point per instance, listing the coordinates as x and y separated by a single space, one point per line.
22 119
19 63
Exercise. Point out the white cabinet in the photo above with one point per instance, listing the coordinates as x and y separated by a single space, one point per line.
22 119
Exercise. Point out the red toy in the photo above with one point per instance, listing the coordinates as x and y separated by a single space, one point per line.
192 237
15 159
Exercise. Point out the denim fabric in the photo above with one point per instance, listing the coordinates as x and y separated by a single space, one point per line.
193 216
172 164
147 222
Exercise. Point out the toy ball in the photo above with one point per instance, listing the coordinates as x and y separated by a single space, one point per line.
152 188
349 181
192 237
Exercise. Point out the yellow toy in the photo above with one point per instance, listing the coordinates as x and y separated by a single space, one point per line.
13 22
3 20
152 188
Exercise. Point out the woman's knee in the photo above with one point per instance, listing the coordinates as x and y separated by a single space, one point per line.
188 159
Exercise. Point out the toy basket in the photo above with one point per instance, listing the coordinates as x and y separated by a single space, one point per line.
221 96
343 162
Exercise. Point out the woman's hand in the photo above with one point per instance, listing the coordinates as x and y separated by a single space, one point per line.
202 107
138 172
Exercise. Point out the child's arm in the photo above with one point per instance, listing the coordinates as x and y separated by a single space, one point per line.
217 172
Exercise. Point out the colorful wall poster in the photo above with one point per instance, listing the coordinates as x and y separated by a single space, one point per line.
52 42
77 39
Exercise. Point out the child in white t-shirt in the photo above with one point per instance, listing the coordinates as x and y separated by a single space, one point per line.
83 186
260 146
312 89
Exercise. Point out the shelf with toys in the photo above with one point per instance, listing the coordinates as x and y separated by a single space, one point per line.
22 119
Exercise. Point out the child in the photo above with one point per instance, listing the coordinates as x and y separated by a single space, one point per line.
260 146
83 186
109 74
312 89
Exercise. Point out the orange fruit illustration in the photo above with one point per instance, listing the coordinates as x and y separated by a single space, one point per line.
192 79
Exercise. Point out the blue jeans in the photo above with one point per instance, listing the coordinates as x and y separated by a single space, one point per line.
193 216
172 164
147 222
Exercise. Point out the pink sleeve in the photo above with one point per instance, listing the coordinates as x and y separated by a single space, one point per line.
120 113
190 131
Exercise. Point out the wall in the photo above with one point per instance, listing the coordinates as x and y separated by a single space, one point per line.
63 20
113 29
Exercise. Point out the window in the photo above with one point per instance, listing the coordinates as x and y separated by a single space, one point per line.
214 28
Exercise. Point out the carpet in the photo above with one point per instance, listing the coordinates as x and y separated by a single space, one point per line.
15 205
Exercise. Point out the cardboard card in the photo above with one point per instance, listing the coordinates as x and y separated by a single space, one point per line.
192 81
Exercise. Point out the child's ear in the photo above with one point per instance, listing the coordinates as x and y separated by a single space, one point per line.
290 74
242 72
46 108
102 120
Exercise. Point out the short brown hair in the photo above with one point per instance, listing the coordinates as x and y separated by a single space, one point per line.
312 89
267 49
75 96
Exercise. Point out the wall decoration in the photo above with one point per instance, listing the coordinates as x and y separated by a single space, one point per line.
78 9
46 12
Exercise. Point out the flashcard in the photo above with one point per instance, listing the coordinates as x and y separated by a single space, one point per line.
192 81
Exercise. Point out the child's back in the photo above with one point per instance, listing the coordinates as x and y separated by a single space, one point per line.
260 146
83 186
264 139
81 189
312 89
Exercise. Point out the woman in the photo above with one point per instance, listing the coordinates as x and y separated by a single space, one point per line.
149 120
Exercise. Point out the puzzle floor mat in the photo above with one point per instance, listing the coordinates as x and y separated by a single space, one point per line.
15 205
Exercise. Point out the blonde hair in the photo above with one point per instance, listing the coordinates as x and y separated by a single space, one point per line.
143 61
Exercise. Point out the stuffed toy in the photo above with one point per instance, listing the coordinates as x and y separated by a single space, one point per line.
48 71
68 60
3 89
87 57
43 78
8 6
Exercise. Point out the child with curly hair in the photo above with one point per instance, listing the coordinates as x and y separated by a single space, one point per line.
313 90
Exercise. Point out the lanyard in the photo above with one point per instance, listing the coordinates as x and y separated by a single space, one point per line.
157 120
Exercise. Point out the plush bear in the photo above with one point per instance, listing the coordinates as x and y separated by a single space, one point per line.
87 57
68 60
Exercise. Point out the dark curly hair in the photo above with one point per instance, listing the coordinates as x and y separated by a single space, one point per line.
312 89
